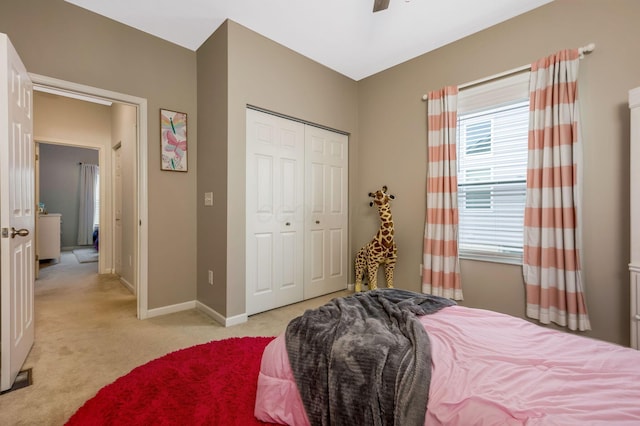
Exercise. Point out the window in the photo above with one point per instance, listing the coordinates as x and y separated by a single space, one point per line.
493 124
478 137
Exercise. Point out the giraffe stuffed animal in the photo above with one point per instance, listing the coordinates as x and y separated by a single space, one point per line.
382 249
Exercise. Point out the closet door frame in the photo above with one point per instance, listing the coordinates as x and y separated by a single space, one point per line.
296 245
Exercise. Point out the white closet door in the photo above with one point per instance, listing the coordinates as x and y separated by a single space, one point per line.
326 257
275 213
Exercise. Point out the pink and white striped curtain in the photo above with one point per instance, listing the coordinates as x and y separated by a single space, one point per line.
441 265
551 259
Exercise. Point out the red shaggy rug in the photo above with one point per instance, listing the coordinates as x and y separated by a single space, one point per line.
210 384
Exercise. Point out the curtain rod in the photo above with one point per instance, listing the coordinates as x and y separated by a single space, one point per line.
581 51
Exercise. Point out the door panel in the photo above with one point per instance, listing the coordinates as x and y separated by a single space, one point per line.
17 207
275 225
296 245
327 220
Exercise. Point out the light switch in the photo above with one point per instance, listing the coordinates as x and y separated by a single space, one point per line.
208 198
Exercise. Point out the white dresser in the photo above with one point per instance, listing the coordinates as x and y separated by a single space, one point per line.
49 236
634 265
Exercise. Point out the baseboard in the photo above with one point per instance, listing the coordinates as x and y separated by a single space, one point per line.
128 285
171 309
72 248
221 319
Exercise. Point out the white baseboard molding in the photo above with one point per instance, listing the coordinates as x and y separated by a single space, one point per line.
171 309
221 319
128 285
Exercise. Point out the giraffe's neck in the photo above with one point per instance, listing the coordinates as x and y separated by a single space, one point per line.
386 220
385 233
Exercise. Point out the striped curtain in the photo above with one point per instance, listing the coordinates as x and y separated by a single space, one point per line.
441 265
551 258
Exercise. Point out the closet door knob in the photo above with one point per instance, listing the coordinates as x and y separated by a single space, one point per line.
288 224
317 222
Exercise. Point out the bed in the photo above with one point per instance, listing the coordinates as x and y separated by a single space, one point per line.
486 368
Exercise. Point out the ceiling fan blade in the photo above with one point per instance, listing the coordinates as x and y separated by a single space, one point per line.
379 5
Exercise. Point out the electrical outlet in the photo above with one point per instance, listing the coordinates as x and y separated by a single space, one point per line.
210 277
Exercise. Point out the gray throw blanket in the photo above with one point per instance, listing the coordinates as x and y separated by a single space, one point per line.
364 359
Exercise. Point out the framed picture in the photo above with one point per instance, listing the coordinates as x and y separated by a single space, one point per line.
173 140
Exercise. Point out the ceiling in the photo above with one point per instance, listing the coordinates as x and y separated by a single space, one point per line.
344 35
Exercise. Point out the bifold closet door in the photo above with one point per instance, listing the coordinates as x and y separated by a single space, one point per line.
326 237
275 213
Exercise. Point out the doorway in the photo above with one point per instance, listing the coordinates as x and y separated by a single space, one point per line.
138 260
68 219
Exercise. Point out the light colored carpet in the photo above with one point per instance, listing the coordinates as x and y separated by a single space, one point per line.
87 336
86 255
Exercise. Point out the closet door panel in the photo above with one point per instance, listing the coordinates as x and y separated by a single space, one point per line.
326 194
275 217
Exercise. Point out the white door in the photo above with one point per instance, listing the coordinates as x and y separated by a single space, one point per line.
275 212
117 202
17 206
326 257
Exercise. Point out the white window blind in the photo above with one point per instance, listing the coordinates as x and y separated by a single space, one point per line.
493 123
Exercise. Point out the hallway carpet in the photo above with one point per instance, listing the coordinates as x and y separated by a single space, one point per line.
86 255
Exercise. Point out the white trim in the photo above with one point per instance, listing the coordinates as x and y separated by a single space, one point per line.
171 309
634 97
221 319
128 285
142 243
73 95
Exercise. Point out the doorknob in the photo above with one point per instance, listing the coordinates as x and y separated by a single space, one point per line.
20 232
317 222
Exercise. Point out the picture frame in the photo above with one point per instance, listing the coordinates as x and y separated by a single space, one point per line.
173 141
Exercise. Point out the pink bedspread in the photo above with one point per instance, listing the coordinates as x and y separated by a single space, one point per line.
494 369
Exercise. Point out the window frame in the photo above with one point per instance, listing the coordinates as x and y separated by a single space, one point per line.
509 90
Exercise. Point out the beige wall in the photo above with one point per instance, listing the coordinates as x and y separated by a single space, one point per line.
57 39
213 70
267 75
393 129
66 120
385 116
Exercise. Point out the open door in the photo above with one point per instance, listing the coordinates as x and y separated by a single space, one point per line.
17 214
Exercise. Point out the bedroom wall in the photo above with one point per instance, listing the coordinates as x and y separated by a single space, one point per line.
265 74
57 39
605 78
213 71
